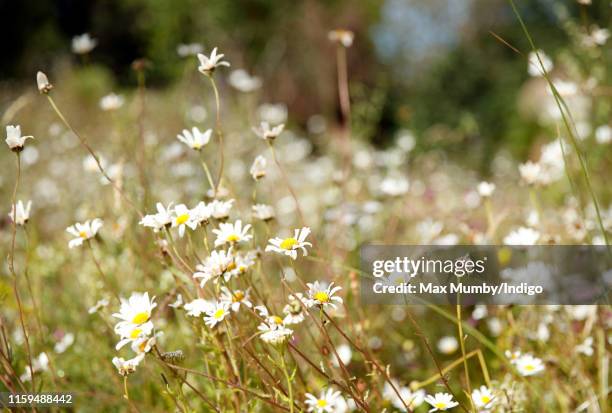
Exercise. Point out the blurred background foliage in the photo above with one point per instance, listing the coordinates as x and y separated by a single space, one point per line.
432 66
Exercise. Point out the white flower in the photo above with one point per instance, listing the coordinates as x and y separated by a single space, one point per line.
195 139
62 345
534 68
530 172
264 131
325 403
263 212
273 329
14 140
232 233
42 82
209 64
528 365
586 347
242 262
215 265
343 37
395 186
135 315
160 220
486 189
344 352
125 367
294 310
84 231
40 363
441 401
290 246
258 169
483 398
22 214
182 217
603 134
236 298
412 399
522 236
322 294
189 49
216 314
83 43
198 306
242 81
512 356
111 101
220 209
144 344
97 306
448 345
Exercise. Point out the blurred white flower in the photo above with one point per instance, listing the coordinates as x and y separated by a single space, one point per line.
22 214
530 172
290 246
215 265
83 44
220 209
111 101
14 140
448 345
182 218
160 220
341 36
411 399
522 236
62 345
40 363
236 298
189 49
198 307
258 169
264 131
534 67
441 401
98 305
125 367
242 81
216 314
84 231
528 365
208 64
586 347
42 82
263 212
603 134
194 138
394 186
273 113
483 398
485 189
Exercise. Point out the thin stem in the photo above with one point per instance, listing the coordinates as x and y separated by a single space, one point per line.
462 345
219 134
288 378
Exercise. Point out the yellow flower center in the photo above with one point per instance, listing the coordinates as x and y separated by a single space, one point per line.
142 346
440 405
321 296
238 296
288 243
231 266
197 146
140 318
83 234
135 333
321 403
529 367
232 238
276 319
485 399
181 219
219 313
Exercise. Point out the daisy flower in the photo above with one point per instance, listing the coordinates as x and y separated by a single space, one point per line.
84 231
220 209
294 310
195 139
528 365
322 294
125 367
208 64
160 220
263 212
441 401
198 307
182 219
232 233
290 246
14 140
236 298
274 336
19 213
130 333
242 262
485 189
201 213
264 131
83 43
483 398
412 399
144 344
215 265
241 80
216 314
258 169
512 356
325 403
530 172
